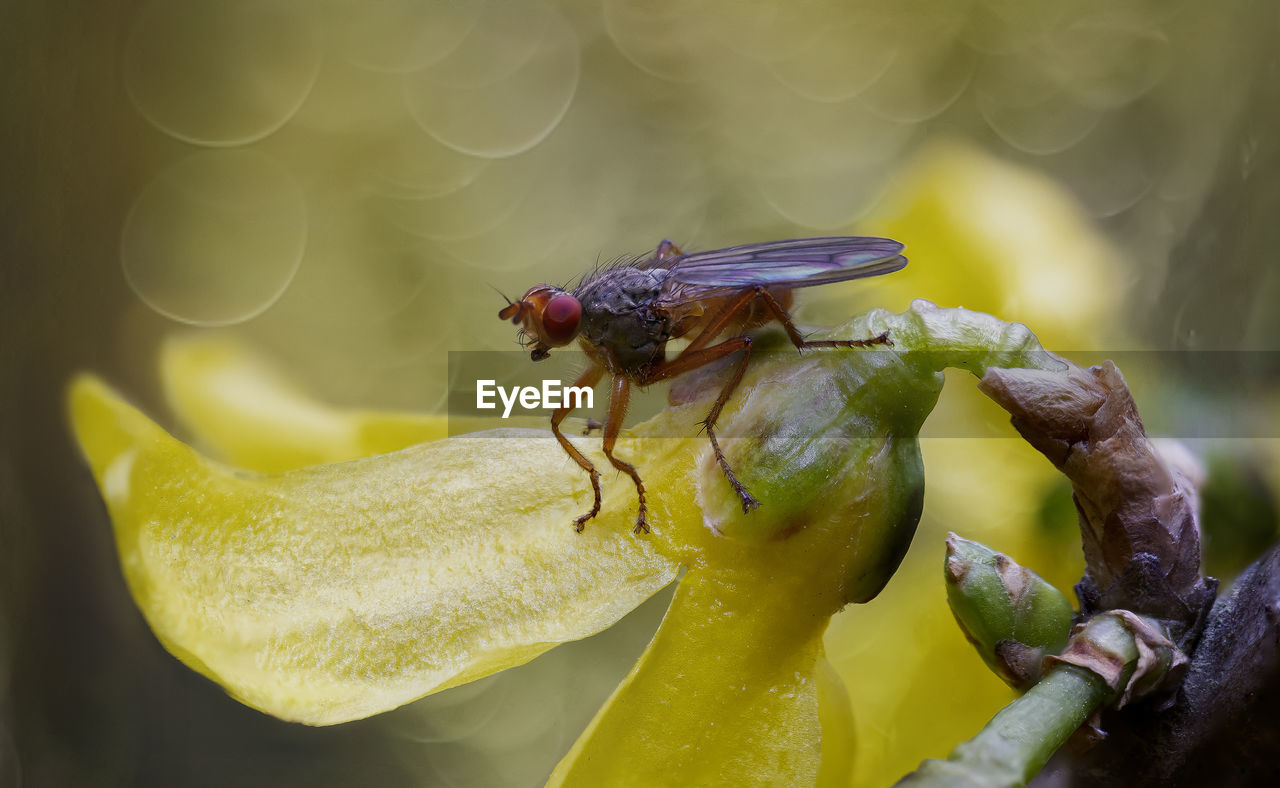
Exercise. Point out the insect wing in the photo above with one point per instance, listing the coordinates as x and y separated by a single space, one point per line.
797 263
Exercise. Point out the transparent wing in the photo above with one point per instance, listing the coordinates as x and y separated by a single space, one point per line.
802 262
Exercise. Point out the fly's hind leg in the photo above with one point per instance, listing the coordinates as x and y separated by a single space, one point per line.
797 339
748 500
694 357
588 379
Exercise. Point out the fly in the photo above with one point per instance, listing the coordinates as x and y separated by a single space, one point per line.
624 315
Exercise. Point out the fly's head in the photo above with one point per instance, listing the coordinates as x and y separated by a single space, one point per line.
548 317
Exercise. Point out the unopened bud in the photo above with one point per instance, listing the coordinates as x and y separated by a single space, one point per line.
1011 615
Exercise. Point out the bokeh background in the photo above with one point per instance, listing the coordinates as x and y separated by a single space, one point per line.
341 183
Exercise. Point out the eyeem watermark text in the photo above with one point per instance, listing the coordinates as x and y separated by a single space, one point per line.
1235 382
552 394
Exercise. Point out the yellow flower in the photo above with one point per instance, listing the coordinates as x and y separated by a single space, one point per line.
1003 239
333 592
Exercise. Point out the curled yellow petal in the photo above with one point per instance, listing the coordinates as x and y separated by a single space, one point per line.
245 412
725 695
335 592
839 729
1000 238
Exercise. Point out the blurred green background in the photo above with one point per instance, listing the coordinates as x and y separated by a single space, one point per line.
340 183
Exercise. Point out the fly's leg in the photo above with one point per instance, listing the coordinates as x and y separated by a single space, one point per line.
697 354
798 339
592 424
588 379
619 395
694 357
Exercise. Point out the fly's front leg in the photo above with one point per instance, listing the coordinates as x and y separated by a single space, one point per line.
619 395
692 358
797 339
588 379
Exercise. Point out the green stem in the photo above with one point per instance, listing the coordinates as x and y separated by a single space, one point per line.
1017 742
1015 745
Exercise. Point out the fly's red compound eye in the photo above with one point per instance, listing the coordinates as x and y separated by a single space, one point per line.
560 319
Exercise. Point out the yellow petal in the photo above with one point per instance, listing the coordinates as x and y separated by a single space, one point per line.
725 695
335 592
1003 239
839 728
245 412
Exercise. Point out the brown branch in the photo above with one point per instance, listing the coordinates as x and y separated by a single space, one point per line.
1141 537
1138 513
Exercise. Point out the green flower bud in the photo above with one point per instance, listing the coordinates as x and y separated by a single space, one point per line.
828 442
1012 616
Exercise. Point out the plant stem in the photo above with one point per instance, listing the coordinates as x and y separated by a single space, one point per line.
1017 742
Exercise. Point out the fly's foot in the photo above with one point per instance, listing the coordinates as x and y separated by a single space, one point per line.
749 501
880 339
642 521
581 522
592 424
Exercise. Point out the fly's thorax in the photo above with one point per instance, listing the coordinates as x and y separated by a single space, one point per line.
618 315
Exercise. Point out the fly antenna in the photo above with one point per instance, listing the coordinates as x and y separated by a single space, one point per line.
513 310
499 292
